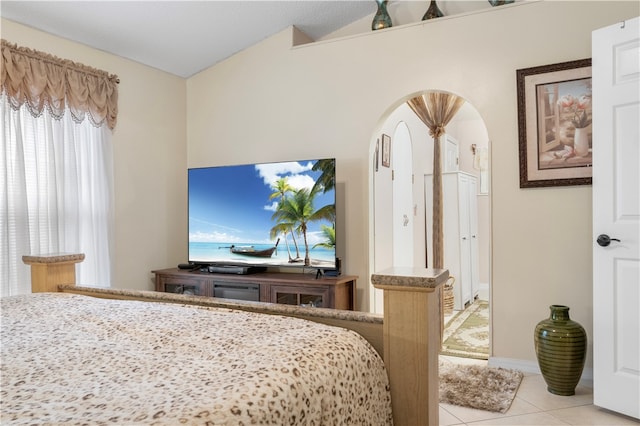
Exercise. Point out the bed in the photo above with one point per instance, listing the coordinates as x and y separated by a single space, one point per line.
81 355
105 361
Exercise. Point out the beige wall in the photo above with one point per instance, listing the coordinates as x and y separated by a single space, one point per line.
149 151
274 102
329 99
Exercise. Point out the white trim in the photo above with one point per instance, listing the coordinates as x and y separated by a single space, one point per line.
532 367
483 291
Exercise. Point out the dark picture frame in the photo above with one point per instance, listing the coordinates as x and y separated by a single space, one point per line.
386 150
554 124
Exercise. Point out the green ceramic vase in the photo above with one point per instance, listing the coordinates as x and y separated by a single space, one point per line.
381 19
433 11
561 348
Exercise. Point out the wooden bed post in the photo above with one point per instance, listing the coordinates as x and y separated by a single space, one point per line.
412 341
50 270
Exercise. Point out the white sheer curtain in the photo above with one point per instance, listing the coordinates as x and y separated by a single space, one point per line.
56 183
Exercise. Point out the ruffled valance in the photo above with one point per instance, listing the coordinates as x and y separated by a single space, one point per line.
41 80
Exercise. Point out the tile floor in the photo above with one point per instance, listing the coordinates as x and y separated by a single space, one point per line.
534 405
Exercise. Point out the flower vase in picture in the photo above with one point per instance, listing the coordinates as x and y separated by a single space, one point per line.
561 347
381 19
581 141
577 110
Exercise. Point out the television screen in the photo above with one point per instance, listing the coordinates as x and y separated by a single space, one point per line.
271 214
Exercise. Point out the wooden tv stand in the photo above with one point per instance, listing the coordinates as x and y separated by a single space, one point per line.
274 287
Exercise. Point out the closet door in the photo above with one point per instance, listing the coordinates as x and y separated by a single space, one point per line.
453 258
465 238
451 229
450 154
460 232
473 231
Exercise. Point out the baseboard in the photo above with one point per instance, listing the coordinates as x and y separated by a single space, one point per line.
483 291
533 368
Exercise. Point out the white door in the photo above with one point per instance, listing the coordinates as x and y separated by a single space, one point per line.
402 206
465 239
616 214
473 233
450 154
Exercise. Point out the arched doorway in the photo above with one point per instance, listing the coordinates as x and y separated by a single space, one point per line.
465 152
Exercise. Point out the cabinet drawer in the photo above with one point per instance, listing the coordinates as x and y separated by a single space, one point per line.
184 285
317 297
237 290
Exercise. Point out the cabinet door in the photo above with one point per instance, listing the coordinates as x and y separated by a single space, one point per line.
464 195
453 261
450 154
473 233
184 285
317 297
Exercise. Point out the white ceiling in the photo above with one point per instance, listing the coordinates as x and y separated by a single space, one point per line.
182 37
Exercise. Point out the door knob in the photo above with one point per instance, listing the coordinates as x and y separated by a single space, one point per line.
604 240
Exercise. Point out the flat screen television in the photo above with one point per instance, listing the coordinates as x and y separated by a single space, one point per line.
264 215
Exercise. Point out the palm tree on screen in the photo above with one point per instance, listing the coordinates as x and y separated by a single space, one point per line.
329 233
281 187
298 209
327 180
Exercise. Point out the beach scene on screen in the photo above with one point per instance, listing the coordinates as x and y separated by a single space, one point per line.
261 214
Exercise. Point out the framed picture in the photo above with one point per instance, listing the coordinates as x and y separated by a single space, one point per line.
386 150
554 124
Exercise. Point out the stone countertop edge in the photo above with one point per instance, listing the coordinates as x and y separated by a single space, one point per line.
262 307
53 258
410 277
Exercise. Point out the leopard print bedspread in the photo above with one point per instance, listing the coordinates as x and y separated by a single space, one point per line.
70 359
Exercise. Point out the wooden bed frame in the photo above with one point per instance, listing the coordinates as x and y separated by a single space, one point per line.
408 336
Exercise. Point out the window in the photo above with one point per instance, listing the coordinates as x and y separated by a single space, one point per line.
56 194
